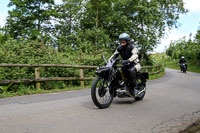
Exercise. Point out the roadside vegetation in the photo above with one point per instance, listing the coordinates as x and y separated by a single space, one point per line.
169 62
77 32
195 128
190 49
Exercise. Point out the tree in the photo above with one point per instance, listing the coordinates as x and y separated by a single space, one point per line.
144 20
67 22
97 16
29 18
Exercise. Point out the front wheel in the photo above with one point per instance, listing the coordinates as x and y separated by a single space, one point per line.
141 86
184 69
101 95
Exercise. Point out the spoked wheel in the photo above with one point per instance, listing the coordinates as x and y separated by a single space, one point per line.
141 87
101 95
184 69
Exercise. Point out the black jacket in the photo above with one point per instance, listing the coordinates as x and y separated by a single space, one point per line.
127 52
181 61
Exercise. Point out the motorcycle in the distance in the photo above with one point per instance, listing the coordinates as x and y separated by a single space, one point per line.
110 82
183 67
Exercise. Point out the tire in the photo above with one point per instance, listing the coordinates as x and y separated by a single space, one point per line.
184 69
141 81
99 87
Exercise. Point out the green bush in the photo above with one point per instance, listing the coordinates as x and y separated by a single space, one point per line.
35 52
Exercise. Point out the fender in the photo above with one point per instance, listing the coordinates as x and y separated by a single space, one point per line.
145 74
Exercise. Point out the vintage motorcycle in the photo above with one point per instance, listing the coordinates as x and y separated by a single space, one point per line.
110 82
183 67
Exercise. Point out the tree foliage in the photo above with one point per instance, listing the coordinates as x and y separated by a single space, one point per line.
35 52
29 19
190 49
93 21
67 20
144 20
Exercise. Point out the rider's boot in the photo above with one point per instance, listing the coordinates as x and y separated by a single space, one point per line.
133 89
133 85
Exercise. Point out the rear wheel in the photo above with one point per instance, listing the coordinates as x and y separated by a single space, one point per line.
101 95
141 86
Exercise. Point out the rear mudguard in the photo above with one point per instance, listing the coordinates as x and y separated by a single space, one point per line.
144 74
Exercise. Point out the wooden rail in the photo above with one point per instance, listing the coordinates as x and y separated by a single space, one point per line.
38 79
155 69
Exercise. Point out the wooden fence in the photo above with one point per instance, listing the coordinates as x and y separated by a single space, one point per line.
38 79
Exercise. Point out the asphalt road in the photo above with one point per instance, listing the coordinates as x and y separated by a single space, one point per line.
170 105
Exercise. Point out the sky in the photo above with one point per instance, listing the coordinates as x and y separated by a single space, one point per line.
189 23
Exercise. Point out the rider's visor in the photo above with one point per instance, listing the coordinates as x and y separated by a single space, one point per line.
122 40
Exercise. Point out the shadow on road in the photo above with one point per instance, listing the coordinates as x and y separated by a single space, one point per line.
124 101
117 101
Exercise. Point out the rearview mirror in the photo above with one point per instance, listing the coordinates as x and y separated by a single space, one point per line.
104 58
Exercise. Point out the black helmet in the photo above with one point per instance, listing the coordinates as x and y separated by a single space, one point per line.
124 36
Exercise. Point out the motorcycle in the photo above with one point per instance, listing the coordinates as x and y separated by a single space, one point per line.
110 82
183 67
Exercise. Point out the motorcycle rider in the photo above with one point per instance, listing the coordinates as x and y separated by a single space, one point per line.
130 60
181 61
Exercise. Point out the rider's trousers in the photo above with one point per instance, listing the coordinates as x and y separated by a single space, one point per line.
130 74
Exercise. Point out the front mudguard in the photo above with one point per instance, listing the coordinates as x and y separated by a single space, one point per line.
103 72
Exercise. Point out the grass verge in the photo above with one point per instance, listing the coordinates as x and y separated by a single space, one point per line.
195 128
28 91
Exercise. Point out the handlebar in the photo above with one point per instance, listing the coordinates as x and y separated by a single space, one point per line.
121 64
116 62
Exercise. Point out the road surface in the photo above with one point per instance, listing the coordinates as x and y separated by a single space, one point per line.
170 105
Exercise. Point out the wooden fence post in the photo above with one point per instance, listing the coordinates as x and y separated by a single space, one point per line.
156 68
37 76
82 76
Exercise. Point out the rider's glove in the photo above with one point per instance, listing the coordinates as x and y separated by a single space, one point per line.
125 62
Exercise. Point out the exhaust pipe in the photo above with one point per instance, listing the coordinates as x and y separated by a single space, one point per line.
141 91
